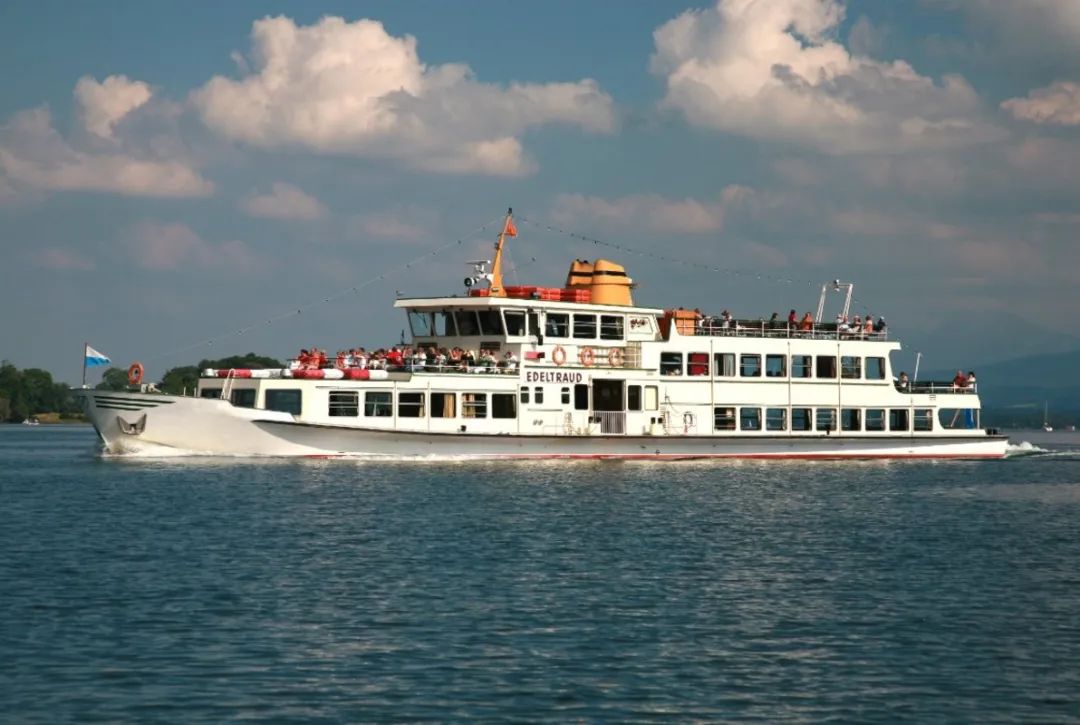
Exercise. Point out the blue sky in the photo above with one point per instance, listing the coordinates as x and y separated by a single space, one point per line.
175 173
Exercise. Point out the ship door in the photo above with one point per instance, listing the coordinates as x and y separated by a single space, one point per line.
609 405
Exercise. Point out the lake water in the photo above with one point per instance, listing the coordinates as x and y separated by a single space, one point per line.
342 591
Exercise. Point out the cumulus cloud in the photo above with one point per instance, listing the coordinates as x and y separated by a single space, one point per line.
773 70
652 211
33 155
284 201
103 105
166 246
1058 103
351 87
64 259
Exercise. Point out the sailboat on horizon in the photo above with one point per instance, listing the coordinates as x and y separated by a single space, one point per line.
1046 418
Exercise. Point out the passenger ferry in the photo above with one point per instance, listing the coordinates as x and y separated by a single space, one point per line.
577 371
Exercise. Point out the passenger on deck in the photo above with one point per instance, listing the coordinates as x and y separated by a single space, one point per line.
903 383
725 320
971 379
879 326
842 325
868 325
510 360
960 381
774 321
793 319
806 324
394 358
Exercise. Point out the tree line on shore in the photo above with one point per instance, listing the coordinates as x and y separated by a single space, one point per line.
33 392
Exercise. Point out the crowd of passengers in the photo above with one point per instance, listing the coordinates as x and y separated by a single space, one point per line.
406 358
857 327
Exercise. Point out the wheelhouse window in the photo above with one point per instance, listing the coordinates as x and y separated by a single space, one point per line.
850 419
962 418
924 419
776 366
825 418
801 420
611 327
474 405
776 419
851 367
633 397
515 322
490 322
420 323
244 398
558 324
503 405
444 324
343 404
584 327
802 366
826 366
875 368
466 323
443 405
378 404
671 363
213 393
288 400
697 363
750 366
534 324
724 362
750 418
875 419
410 405
898 419
723 418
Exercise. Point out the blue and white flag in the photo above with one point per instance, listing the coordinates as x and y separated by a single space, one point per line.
93 357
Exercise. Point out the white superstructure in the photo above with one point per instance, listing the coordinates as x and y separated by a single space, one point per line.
575 379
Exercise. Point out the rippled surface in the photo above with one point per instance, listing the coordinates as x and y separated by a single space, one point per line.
343 591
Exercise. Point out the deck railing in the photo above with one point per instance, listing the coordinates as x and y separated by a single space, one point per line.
764 328
937 387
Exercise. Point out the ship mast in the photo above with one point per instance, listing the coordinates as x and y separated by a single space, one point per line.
509 230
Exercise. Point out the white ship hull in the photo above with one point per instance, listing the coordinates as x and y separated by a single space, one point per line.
166 425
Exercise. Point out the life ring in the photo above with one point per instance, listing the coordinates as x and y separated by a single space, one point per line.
615 357
558 355
135 373
587 356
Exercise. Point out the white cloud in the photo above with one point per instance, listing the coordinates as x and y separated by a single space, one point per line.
773 70
284 201
34 155
1058 103
409 224
103 105
165 246
653 212
351 87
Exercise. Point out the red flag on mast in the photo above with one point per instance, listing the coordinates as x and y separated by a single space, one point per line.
510 230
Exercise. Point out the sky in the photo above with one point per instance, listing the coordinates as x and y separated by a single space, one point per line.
181 181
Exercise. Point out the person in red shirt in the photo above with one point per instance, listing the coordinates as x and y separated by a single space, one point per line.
960 381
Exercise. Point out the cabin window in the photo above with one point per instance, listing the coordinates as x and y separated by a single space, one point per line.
474 405
444 324
558 324
490 322
723 418
244 398
584 327
524 394
212 393
875 368
565 396
826 366
776 366
750 418
377 404
924 419
538 395
850 419
515 322
443 405
800 419
534 325
633 397
875 419
898 419
697 363
776 419
410 405
851 367
652 397
581 397
802 366
284 401
750 366
344 404
963 418
725 364
825 418
466 323
420 323
611 327
503 405
671 363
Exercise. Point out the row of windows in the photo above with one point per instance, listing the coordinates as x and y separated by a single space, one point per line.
753 365
380 404
515 323
822 419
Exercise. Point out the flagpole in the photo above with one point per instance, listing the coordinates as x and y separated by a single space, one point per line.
85 346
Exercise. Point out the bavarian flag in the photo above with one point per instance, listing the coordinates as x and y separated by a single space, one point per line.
93 357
